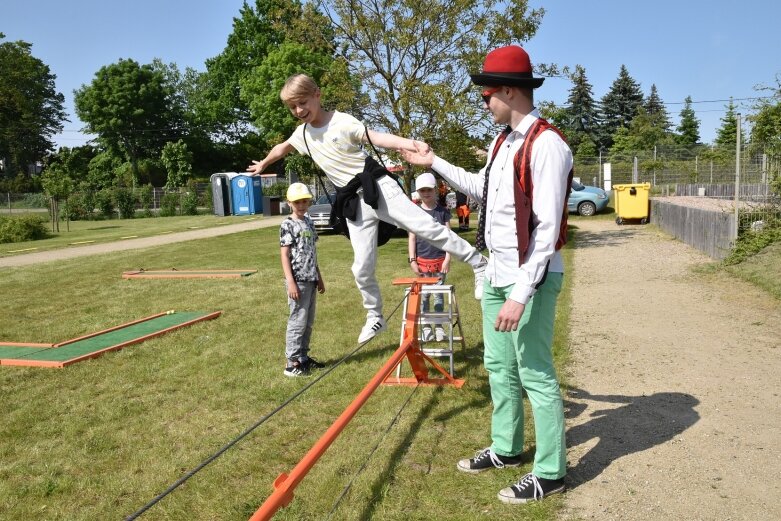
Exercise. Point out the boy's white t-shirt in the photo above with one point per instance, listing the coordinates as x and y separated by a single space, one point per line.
336 147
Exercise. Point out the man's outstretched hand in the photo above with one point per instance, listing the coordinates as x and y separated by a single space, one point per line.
422 156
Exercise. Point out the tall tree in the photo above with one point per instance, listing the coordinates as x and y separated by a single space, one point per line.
726 134
129 107
412 57
258 30
766 121
689 126
620 105
582 124
657 113
31 110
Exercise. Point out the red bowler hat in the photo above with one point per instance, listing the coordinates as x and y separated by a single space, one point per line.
508 66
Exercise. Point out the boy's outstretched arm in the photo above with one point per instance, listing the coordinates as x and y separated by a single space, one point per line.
276 153
384 140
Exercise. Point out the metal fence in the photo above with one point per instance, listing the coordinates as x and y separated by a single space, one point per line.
19 203
749 181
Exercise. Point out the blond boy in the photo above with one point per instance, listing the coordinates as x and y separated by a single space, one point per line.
334 140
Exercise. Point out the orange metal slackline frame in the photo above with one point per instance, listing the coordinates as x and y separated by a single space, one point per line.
286 483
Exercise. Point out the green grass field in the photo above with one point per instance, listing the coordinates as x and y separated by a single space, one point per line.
99 439
95 232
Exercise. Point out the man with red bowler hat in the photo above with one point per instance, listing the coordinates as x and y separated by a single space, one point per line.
523 192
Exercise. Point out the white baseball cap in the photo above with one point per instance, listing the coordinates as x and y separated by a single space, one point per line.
425 180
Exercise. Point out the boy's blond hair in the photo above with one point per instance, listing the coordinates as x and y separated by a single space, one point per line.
298 86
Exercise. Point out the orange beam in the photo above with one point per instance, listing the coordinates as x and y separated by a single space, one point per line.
285 484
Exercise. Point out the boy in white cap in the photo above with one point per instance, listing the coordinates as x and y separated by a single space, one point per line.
425 259
297 238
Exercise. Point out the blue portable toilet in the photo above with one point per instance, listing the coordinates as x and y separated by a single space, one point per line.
246 195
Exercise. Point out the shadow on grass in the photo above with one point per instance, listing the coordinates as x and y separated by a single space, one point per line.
395 457
641 423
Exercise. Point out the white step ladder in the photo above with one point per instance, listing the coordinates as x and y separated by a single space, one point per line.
448 318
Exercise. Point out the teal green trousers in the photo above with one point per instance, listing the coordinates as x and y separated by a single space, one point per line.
521 362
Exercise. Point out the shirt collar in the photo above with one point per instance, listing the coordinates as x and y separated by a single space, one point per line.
526 123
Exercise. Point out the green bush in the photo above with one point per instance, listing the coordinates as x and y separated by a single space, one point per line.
190 203
19 229
275 189
76 207
38 200
126 203
104 200
168 204
146 198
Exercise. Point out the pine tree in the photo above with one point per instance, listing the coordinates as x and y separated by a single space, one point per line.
619 105
582 115
654 108
689 127
726 134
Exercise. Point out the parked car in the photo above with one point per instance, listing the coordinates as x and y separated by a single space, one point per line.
320 212
586 200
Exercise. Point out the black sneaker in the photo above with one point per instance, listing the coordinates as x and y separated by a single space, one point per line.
296 369
487 459
530 488
311 363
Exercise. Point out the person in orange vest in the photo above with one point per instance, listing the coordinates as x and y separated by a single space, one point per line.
462 210
523 192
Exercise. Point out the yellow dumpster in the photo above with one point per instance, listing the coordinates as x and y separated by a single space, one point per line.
632 202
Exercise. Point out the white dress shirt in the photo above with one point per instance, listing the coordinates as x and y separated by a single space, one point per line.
551 162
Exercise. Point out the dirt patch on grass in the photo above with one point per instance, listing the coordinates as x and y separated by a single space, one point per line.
674 409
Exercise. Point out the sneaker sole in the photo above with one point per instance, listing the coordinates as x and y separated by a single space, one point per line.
464 468
512 500
290 375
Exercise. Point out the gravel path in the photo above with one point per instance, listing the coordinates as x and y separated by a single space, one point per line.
674 412
134 244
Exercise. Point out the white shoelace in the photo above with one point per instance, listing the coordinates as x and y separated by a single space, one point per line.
491 454
530 479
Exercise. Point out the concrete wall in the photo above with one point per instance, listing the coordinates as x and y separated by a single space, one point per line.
710 231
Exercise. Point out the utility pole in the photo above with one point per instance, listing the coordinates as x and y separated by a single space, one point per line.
737 176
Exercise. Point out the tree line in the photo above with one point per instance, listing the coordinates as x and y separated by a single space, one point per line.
400 67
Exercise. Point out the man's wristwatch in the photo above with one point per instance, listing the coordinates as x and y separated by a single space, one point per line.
411 260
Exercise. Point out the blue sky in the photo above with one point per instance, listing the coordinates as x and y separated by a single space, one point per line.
709 50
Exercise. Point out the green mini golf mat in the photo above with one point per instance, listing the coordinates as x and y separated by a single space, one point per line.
174 273
93 345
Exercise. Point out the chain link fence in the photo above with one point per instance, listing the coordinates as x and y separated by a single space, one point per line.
23 203
752 190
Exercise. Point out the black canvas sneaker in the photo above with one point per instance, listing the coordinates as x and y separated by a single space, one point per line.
311 363
530 488
296 369
487 459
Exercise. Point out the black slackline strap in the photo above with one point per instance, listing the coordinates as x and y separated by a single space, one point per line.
384 435
176 484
